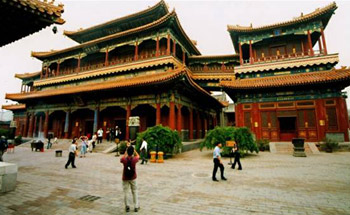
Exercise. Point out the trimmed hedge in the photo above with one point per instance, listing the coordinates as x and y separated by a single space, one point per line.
242 136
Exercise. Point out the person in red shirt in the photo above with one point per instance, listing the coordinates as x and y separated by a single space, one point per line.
129 160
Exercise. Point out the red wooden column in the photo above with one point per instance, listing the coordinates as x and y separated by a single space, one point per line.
46 124
223 67
256 120
106 58
34 126
179 119
158 114
199 127
40 124
30 129
310 43
172 123
343 119
47 72
239 115
174 48
78 67
240 54
25 130
191 124
157 47
320 118
128 114
320 46
168 45
58 69
324 42
136 57
251 58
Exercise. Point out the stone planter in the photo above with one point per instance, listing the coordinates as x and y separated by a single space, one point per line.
299 150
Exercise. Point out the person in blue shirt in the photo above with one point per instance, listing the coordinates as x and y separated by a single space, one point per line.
218 162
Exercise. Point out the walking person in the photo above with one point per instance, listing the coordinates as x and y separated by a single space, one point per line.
3 147
237 156
129 160
99 135
143 151
72 154
94 138
218 162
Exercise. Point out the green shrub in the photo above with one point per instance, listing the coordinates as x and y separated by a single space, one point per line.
263 144
167 140
329 145
122 147
242 136
18 140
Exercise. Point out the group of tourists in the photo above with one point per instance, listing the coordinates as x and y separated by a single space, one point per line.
218 162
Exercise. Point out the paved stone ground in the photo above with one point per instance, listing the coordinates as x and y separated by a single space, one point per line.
268 184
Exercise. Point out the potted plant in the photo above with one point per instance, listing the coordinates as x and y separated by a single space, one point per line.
329 145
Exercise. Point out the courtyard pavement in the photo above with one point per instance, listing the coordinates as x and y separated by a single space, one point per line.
269 184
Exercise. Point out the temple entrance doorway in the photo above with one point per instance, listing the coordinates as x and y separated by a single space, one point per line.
121 123
287 127
89 127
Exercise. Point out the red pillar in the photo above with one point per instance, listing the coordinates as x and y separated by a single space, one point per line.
30 129
320 118
174 48
58 69
191 124
78 67
240 54
223 67
256 120
128 114
25 130
157 47
198 125
168 45
172 113
136 57
158 114
324 42
179 118
344 121
34 126
47 72
46 124
320 46
106 58
40 124
310 43
251 58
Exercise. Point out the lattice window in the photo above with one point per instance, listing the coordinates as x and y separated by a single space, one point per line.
306 103
247 121
330 102
332 118
264 120
310 115
301 119
273 119
287 104
267 105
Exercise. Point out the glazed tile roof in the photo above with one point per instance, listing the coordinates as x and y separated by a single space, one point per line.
109 70
304 18
27 75
120 83
301 79
14 107
121 34
211 76
160 4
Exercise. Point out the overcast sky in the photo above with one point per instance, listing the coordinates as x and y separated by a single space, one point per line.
203 21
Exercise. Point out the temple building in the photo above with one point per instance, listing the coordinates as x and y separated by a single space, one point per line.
24 17
145 65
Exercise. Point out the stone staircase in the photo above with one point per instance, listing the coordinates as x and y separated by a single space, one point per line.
287 148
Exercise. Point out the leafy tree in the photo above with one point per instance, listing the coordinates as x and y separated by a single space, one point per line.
160 138
241 135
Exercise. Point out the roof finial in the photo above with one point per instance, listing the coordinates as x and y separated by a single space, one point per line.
251 25
302 14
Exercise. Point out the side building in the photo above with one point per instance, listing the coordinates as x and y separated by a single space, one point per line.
131 66
284 87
